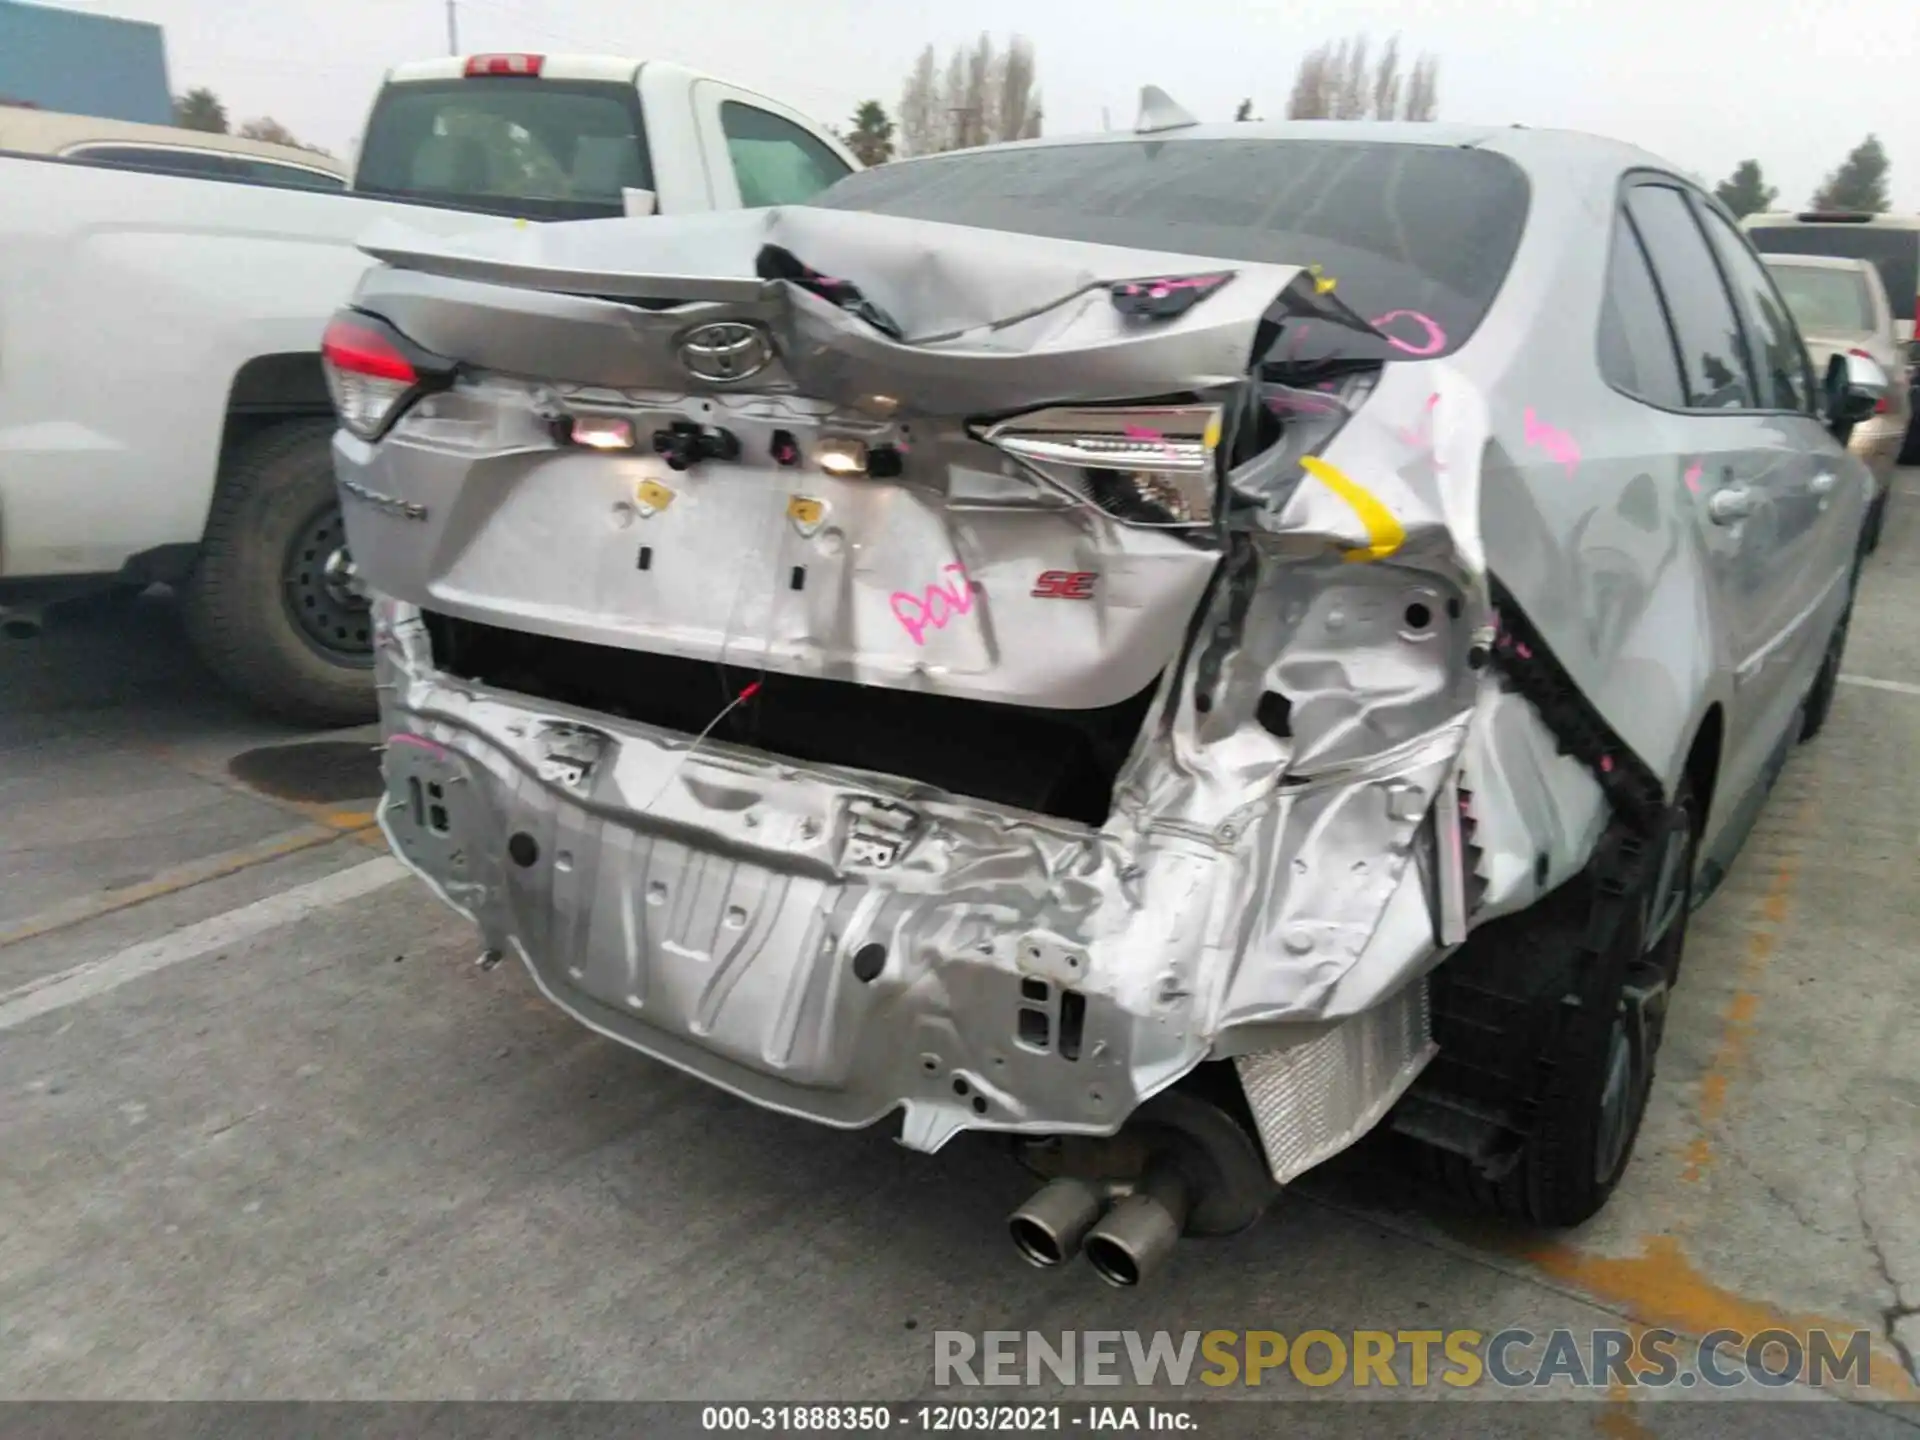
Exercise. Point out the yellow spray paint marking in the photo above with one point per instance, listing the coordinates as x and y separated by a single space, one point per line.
1384 533
1322 284
651 497
807 512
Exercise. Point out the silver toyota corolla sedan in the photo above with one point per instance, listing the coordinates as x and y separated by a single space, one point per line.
1176 647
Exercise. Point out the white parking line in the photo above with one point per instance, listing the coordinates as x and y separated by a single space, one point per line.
1899 687
96 977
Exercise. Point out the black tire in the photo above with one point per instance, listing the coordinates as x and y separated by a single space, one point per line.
1827 683
1553 1019
1876 522
258 569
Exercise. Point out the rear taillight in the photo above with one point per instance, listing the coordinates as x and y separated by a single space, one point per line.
1147 465
372 374
505 64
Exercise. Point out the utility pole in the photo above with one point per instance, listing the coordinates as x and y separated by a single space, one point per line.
453 30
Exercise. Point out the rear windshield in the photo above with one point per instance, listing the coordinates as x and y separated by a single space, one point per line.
1424 229
1825 300
1896 253
508 145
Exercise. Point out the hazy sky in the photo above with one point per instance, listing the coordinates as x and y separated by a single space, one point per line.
1706 83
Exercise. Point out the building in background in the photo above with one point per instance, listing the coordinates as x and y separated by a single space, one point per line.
57 59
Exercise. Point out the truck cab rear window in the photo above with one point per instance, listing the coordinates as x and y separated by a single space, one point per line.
1895 250
510 145
1422 229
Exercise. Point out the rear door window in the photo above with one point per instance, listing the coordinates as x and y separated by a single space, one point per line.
1780 363
509 145
1637 352
1408 233
775 161
1711 353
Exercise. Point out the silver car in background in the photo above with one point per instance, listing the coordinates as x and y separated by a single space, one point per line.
1841 307
1173 647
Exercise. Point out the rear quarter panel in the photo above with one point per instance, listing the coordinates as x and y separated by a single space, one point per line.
1586 512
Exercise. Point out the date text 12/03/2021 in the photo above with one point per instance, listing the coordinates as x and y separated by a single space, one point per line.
942 1419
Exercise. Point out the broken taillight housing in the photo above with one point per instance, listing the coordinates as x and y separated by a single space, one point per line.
373 372
1143 464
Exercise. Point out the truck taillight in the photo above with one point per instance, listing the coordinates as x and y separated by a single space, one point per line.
505 64
370 374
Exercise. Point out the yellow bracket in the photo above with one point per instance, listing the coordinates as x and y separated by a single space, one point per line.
1384 533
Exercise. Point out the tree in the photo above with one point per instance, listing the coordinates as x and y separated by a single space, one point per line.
1745 192
200 109
1336 82
871 138
1860 183
268 129
1245 110
982 95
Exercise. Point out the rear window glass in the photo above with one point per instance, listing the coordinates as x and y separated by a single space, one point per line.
1896 253
1826 301
1424 229
544 149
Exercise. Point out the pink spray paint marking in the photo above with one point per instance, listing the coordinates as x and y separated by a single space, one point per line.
1142 432
934 607
1556 443
419 743
1436 337
1422 438
1692 477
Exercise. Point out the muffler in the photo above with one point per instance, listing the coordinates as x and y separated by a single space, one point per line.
21 622
1136 1236
1048 1229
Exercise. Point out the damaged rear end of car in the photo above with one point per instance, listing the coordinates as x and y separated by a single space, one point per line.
1014 683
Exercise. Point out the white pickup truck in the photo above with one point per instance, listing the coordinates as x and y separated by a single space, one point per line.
163 414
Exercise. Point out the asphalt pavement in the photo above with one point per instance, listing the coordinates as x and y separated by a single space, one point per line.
266 1131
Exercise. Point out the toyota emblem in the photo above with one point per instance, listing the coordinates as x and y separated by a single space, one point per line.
725 351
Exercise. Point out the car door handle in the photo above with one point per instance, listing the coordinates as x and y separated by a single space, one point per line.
1732 504
1823 482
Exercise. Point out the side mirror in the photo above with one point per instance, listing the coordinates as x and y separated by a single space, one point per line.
1855 385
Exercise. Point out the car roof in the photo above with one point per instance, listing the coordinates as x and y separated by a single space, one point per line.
1539 152
53 132
618 69
1838 219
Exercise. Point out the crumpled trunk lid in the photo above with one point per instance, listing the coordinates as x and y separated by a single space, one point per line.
944 565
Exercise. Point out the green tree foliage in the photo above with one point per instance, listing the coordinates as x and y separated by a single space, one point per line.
1860 183
871 138
1746 192
200 109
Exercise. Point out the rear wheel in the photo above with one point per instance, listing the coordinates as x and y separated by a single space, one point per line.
1827 682
1553 1020
274 606
1876 522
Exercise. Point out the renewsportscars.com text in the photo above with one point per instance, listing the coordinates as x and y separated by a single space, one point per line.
1648 1359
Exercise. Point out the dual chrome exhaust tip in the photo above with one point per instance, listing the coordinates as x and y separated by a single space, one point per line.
1125 1239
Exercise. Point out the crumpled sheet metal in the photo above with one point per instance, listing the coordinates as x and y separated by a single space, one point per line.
1251 875
992 321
